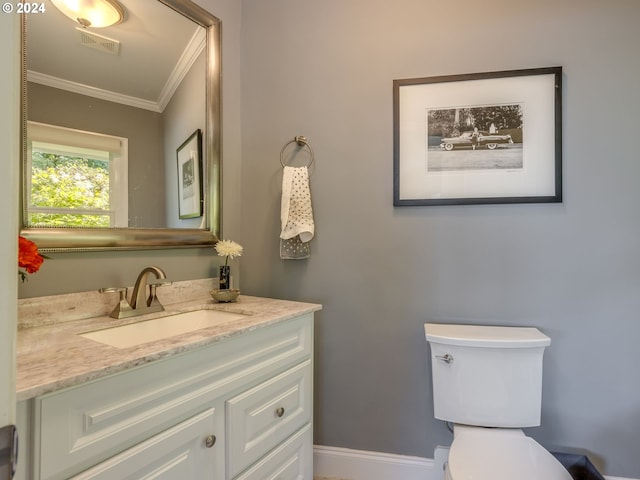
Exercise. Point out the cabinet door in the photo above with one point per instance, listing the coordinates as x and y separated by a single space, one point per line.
187 451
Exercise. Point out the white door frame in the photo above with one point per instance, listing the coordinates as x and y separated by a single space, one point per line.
9 192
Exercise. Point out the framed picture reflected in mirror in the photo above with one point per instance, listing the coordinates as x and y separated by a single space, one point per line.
189 162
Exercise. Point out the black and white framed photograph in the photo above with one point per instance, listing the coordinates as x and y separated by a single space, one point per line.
189 158
478 138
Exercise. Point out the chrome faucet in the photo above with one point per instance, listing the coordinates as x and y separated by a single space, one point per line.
140 303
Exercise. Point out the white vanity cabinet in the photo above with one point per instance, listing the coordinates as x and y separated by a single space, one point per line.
240 408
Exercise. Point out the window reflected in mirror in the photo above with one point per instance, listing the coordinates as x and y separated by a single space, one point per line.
75 178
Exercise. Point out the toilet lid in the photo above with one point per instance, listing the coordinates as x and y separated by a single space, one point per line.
501 454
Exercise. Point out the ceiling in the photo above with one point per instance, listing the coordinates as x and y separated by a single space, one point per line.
156 48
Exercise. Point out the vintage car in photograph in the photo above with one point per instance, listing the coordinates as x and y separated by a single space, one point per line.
466 140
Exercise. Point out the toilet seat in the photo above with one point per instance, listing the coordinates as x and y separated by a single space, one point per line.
479 453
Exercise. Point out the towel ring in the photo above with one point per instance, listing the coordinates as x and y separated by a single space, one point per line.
301 140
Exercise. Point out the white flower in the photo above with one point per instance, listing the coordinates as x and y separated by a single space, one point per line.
229 249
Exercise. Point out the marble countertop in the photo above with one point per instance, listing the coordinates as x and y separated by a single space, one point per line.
52 356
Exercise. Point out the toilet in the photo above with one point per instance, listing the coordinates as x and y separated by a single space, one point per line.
487 381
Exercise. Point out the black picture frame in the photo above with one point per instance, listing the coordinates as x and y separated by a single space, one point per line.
189 164
481 138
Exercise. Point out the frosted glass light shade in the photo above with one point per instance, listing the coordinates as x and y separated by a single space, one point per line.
92 13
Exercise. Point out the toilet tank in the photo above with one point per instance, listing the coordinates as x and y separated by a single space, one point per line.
485 375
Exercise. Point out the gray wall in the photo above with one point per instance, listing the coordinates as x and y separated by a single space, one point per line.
325 69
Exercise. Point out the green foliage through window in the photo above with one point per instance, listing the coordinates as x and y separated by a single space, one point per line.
65 183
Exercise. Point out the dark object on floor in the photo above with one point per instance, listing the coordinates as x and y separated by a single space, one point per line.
579 466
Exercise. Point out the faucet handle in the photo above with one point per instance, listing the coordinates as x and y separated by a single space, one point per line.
123 304
153 300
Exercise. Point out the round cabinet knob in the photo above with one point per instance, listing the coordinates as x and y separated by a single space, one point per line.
280 412
210 441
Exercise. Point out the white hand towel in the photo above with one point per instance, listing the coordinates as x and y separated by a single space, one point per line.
296 214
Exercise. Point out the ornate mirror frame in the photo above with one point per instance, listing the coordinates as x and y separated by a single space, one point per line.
94 239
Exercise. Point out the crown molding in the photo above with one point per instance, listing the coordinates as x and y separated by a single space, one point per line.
195 47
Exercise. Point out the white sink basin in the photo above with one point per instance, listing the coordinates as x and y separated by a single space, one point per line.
159 328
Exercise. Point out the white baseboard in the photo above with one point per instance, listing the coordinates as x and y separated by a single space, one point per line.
348 464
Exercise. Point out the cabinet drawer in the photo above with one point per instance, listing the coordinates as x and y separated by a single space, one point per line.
85 425
290 461
265 415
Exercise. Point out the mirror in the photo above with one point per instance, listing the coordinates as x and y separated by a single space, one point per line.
170 129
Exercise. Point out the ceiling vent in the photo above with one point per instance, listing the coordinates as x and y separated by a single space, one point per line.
98 42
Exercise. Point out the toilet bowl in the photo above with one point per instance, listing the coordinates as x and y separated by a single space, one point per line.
487 381
479 453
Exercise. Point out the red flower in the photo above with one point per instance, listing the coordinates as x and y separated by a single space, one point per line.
28 256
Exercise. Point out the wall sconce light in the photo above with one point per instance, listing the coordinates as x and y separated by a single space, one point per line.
92 13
